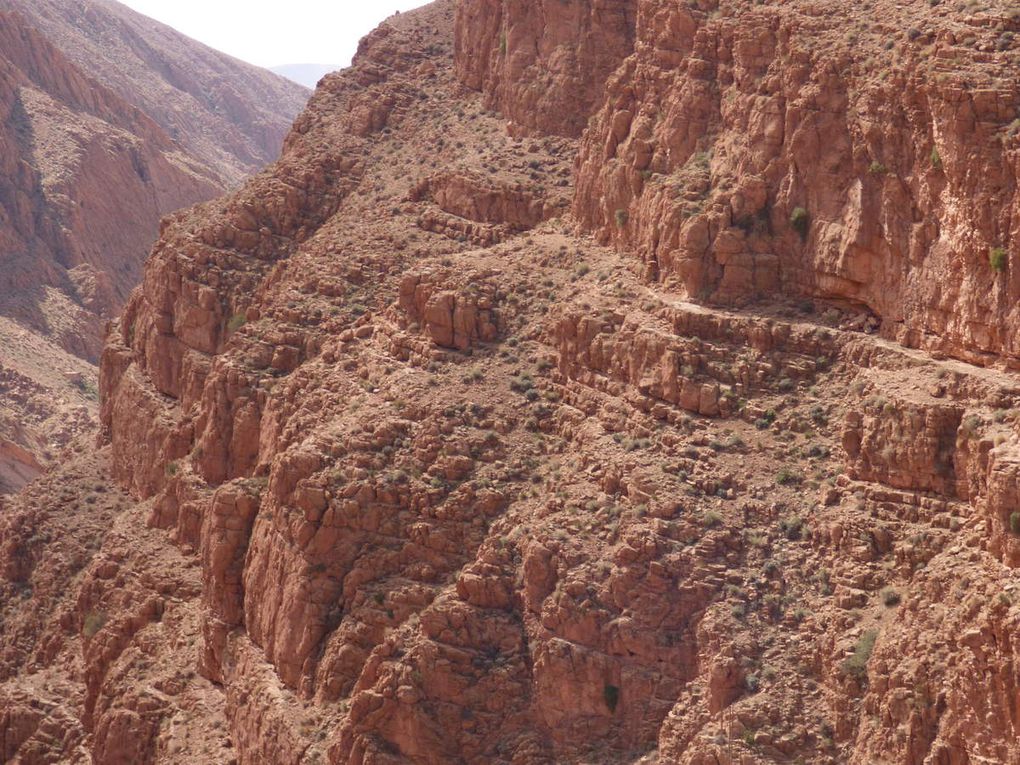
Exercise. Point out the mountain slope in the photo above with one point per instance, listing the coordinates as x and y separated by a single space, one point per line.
425 454
98 142
229 115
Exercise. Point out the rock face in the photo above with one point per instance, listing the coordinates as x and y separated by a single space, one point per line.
102 135
487 490
749 152
543 64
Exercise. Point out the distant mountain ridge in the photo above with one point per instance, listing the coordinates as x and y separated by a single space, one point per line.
108 121
229 113
305 74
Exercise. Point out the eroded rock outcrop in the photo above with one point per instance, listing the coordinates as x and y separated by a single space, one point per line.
748 152
544 65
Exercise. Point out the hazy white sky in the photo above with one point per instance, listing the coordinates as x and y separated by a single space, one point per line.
273 32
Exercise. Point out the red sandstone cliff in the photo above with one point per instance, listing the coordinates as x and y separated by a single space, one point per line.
544 64
422 469
864 155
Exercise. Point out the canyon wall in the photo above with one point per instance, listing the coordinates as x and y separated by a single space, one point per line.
863 156
414 467
820 151
543 65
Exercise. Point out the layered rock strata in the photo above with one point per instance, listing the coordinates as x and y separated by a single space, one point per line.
407 496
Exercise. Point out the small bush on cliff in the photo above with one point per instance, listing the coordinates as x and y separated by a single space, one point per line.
94 622
87 388
970 425
765 421
522 383
792 527
621 217
877 168
936 159
801 221
580 271
787 477
891 597
611 694
857 664
998 259
236 322
1014 523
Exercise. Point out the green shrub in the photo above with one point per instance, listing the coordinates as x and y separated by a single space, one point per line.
171 469
890 597
236 321
87 388
877 168
801 221
1014 523
792 527
786 477
857 664
621 217
94 622
970 425
522 383
936 158
998 259
611 695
